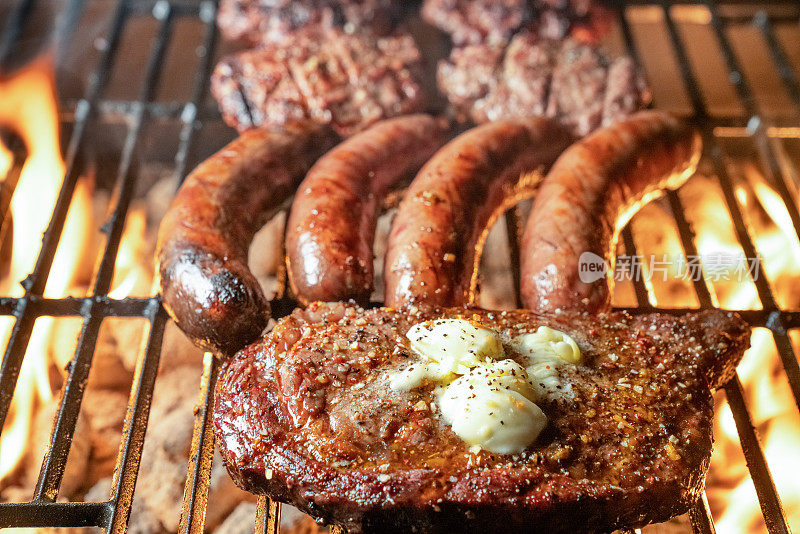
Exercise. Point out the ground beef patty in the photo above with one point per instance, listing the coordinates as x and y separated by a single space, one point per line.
307 416
347 80
565 79
265 21
470 22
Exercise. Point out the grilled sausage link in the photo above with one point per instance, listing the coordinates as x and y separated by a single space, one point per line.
436 239
204 238
331 228
591 192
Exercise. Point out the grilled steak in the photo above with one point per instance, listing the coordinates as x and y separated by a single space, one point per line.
267 21
347 80
307 416
564 79
471 22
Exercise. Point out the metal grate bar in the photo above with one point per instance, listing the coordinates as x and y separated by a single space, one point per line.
68 514
135 424
775 177
756 463
268 516
125 179
34 285
72 306
195 498
118 111
700 516
705 297
785 70
189 115
689 81
113 514
195 495
700 513
69 408
788 358
13 29
756 122
639 287
9 183
513 233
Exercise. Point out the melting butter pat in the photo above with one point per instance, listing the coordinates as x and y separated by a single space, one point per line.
548 343
447 347
493 406
546 351
487 399
454 345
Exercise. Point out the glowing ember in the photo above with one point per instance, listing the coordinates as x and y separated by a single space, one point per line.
133 277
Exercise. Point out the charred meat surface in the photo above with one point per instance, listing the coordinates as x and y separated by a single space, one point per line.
470 22
270 21
349 81
563 79
307 415
204 238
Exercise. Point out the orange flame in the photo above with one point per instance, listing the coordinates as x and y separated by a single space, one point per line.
28 107
730 490
133 275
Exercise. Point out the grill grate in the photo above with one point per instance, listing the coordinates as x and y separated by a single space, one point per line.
765 133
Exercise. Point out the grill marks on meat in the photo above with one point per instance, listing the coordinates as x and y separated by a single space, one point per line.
470 22
563 79
270 21
346 80
305 415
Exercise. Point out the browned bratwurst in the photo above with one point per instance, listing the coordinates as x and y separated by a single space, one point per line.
437 236
332 223
205 235
592 191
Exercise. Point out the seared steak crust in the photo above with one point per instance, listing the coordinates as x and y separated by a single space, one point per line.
305 415
347 81
269 21
564 79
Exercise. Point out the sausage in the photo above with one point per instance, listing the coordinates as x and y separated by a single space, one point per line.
204 238
437 236
331 227
591 193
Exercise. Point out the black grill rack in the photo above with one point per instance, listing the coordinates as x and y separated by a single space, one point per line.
766 134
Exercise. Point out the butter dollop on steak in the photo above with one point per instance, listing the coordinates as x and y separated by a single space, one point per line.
307 416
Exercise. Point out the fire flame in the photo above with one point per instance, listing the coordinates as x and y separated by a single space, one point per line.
730 490
28 108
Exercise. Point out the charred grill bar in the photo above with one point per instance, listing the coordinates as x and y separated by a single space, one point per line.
92 309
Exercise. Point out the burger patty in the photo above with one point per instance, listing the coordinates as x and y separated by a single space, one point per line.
307 416
565 79
268 21
470 22
346 80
